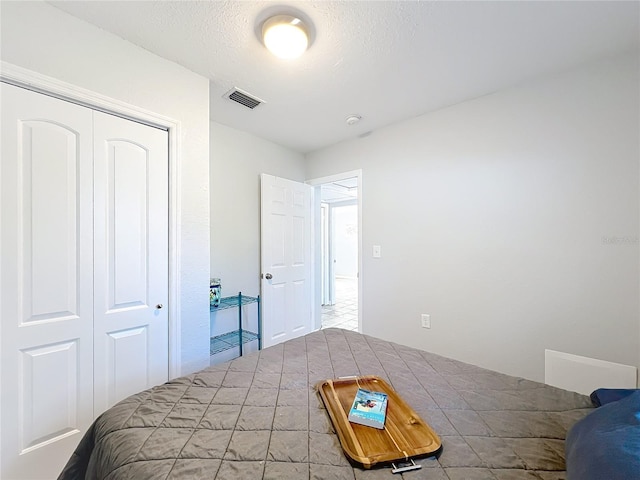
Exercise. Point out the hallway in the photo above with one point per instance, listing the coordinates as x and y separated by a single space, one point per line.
344 314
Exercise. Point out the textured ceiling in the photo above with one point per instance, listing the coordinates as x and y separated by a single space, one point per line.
386 61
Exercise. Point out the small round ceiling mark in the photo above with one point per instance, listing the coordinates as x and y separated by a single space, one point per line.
353 119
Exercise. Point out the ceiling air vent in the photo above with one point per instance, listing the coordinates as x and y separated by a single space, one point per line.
243 98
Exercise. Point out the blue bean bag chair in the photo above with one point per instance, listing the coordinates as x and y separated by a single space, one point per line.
602 396
605 445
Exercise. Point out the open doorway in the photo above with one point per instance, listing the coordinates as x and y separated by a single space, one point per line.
338 251
340 260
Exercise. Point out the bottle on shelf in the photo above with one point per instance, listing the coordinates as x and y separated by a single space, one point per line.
215 292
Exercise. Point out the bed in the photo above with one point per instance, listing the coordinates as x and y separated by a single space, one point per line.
260 417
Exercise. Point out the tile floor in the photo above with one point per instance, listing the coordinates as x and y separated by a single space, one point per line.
344 314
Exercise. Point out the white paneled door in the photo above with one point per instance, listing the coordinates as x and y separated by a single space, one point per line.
83 243
286 259
47 281
130 258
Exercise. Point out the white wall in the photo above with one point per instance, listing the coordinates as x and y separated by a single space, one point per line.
496 216
43 39
237 160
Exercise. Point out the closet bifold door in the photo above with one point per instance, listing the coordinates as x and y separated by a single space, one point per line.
46 300
83 273
131 258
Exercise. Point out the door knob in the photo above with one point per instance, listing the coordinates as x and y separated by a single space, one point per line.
159 306
268 276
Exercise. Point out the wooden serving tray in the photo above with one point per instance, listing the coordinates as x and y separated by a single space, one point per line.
405 434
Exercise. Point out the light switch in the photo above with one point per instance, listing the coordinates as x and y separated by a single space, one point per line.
376 251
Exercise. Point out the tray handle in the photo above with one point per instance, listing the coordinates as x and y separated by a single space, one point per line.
406 468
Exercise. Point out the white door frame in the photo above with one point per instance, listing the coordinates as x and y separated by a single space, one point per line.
316 243
37 82
325 262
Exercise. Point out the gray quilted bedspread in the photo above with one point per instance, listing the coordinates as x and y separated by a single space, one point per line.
259 416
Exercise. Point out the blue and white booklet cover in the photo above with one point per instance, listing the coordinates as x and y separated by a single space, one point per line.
369 408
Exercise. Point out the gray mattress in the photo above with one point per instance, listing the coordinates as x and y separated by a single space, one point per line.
259 416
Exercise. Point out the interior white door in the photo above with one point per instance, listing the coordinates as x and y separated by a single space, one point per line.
286 259
46 299
131 258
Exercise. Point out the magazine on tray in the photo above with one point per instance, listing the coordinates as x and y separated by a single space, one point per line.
369 408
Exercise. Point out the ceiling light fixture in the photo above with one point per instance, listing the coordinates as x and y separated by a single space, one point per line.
285 36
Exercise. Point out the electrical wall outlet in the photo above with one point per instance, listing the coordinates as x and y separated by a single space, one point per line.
426 320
